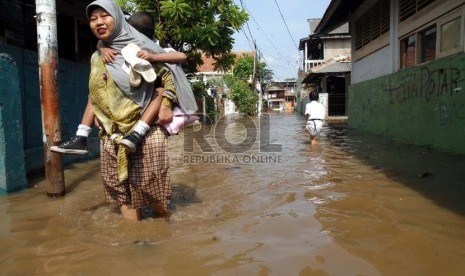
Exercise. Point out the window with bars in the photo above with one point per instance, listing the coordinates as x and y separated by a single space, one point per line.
408 8
444 37
418 47
427 43
372 24
408 47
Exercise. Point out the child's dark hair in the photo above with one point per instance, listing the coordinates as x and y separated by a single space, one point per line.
143 22
313 96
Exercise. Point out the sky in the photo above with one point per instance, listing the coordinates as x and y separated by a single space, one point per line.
277 46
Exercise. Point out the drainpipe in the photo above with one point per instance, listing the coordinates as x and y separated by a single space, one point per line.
47 46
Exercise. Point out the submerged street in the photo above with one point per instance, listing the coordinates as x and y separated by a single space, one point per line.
354 204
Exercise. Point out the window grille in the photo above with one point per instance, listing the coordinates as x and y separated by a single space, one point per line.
372 24
408 8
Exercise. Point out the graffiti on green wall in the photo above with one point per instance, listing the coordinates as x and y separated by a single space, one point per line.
421 105
426 84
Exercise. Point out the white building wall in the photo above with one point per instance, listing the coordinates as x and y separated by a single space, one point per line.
229 107
335 47
375 65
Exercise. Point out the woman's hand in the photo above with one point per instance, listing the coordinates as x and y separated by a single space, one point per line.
108 54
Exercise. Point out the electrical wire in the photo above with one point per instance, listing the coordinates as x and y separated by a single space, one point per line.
247 22
247 38
250 39
266 36
287 28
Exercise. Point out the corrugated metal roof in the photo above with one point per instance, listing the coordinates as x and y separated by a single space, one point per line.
275 88
327 68
336 67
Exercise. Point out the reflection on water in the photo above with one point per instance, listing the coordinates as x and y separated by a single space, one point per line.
352 205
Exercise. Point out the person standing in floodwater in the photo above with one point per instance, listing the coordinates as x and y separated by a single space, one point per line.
142 177
315 114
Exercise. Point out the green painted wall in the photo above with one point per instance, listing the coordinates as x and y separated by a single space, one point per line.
424 105
12 171
73 94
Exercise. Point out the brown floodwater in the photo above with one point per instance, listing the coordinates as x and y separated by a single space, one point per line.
354 204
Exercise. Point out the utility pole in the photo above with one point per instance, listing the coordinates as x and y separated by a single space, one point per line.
254 64
254 78
259 88
47 44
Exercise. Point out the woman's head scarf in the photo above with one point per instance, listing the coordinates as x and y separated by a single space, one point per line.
124 34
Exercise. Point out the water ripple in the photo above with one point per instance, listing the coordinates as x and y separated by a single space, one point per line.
319 186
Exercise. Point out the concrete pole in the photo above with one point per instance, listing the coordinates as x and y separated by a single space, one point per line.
204 102
305 57
254 64
259 88
254 78
47 46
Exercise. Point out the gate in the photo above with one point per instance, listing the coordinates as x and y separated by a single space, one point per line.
337 104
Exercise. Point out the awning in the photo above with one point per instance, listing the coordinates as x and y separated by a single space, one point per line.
327 68
336 67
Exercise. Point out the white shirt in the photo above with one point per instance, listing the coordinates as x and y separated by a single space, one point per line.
316 110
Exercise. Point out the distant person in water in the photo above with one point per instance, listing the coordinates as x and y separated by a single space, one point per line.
315 113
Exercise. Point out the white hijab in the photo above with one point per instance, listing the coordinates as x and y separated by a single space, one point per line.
124 34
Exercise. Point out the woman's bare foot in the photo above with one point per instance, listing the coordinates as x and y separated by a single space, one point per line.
130 213
161 212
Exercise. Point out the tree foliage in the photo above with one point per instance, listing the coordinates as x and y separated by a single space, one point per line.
199 89
191 26
243 97
200 92
244 70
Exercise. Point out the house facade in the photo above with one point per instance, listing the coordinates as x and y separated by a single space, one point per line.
326 66
408 68
280 96
207 74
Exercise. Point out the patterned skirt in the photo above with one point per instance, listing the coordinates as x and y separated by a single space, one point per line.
149 179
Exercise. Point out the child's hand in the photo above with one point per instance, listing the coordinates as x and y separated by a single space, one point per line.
96 123
143 54
108 54
165 115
